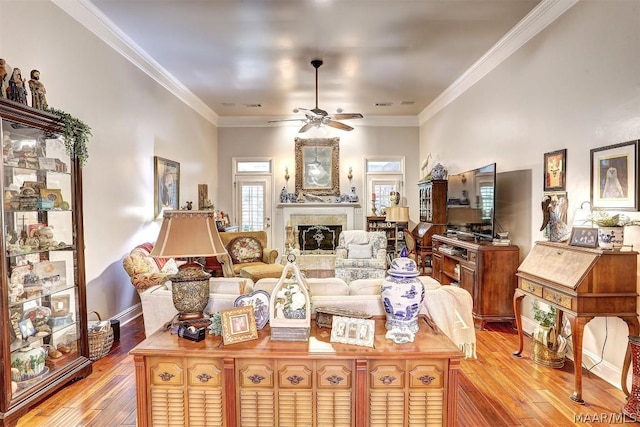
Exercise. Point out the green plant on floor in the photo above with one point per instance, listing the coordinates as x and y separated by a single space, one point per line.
544 317
76 135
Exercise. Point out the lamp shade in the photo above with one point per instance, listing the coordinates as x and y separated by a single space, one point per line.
188 234
397 214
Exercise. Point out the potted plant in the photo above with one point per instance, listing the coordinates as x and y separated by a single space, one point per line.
76 135
610 228
548 346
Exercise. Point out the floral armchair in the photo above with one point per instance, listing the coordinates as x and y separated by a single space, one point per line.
361 255
146 271
245 249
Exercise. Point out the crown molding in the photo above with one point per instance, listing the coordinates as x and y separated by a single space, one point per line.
255 121
95 21
537 20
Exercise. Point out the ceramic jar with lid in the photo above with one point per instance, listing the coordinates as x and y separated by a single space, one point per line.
402 294
27 363
439 172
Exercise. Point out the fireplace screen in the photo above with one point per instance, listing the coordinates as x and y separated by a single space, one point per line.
319 238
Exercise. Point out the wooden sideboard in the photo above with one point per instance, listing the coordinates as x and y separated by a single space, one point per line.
315 383
582 283
486 271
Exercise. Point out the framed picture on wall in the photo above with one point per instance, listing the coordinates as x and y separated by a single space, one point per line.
318 166
555 170
614 176
167 185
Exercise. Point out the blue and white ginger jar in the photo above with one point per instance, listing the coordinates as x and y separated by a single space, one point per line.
402 294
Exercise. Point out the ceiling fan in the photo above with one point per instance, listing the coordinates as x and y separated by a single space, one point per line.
318 117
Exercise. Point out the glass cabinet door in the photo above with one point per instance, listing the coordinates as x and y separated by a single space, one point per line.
43 299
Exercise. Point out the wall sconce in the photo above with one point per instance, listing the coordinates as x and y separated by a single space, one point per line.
463 178
350 175
286 174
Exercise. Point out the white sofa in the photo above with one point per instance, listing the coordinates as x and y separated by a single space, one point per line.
448 307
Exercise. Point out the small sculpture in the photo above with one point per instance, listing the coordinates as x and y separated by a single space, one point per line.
16 90
554 210
3 78
38 98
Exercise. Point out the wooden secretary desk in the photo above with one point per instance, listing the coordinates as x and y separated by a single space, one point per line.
582 283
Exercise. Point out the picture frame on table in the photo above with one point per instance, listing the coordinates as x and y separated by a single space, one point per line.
349 330
238 325
166 180
555 170
317 166
586 237
614 176
26 328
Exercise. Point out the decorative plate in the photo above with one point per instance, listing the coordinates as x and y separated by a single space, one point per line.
260 302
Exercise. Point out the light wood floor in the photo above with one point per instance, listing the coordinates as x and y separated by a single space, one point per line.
495 390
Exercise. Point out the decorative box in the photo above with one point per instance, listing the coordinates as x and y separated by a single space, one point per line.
43 203
28 202
324 315
57 321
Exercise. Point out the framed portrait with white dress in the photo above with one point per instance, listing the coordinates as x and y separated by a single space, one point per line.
167 185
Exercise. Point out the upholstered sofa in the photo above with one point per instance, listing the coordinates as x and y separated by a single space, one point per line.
249 256
361 255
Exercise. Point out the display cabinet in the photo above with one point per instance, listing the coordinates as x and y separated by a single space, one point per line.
42 287
394 231
433 219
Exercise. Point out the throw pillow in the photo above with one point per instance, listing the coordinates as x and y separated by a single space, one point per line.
245 249
359 251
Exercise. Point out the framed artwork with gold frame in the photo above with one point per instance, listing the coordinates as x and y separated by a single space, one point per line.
238 325
318 166
52 194
166 185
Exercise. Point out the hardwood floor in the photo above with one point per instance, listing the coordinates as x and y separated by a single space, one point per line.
495 390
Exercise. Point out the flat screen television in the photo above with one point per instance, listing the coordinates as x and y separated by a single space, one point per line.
471 202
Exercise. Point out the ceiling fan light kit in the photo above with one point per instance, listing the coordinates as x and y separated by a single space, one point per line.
318 117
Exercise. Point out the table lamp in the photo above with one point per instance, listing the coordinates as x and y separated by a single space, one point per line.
397 214
189 234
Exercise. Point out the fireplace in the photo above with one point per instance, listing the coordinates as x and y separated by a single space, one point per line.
318 239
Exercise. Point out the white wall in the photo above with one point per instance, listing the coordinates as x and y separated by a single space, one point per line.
576 85
278 142
132 118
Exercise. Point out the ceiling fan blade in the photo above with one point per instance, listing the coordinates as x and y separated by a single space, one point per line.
286 120
346 116
338 125
312 113
306 127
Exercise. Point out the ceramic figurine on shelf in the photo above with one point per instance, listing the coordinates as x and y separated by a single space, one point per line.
402 294
16 90
3 78
439 172
38 98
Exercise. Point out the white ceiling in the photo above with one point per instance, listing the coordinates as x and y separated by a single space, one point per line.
234 53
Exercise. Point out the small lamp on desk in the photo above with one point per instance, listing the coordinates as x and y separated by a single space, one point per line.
397 214
189 234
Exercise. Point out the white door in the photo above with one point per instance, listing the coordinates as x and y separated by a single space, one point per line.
254 203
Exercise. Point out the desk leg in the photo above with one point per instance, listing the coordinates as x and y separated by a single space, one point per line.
577 332
632 324
517 309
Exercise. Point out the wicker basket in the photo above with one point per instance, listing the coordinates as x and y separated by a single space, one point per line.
100 342
542 355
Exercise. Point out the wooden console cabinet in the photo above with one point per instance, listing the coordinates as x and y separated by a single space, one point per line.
582 283
315 383
487 271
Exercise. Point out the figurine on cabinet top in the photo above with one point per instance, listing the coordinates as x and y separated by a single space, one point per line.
38 98
16 91
3 78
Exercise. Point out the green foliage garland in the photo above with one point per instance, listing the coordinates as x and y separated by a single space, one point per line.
76 135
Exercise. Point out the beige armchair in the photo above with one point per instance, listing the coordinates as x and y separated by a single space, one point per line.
361 255
248 255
